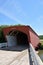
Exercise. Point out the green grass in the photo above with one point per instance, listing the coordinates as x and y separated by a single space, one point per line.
41 41
41 50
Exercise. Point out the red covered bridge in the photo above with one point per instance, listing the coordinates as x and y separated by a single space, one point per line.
23 35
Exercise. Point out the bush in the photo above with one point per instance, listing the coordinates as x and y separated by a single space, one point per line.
2 39
41 36
40 46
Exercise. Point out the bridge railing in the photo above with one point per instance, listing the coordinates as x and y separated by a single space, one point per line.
34 56
3 45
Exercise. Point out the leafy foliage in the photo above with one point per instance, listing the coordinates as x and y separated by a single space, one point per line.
41 36
2 39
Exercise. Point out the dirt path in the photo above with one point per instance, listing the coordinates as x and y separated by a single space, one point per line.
14 57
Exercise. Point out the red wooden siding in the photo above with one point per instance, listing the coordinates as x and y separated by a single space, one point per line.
32 36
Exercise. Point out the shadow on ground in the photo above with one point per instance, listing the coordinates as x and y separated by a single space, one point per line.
30 59
15 48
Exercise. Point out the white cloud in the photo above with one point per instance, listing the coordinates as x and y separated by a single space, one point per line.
14 5
8 14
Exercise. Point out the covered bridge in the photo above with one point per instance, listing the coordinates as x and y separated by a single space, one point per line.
20 35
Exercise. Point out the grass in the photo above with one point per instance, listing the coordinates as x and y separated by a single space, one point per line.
41 50
41 41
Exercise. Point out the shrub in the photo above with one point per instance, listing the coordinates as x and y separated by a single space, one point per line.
2 39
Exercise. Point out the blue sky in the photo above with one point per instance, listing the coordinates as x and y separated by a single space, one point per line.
28 12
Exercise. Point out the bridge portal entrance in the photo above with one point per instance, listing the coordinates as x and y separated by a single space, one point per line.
17 38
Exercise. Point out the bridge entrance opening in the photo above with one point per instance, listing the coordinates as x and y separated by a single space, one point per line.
22 39
17 38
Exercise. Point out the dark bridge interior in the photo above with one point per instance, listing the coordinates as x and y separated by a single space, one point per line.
22 39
